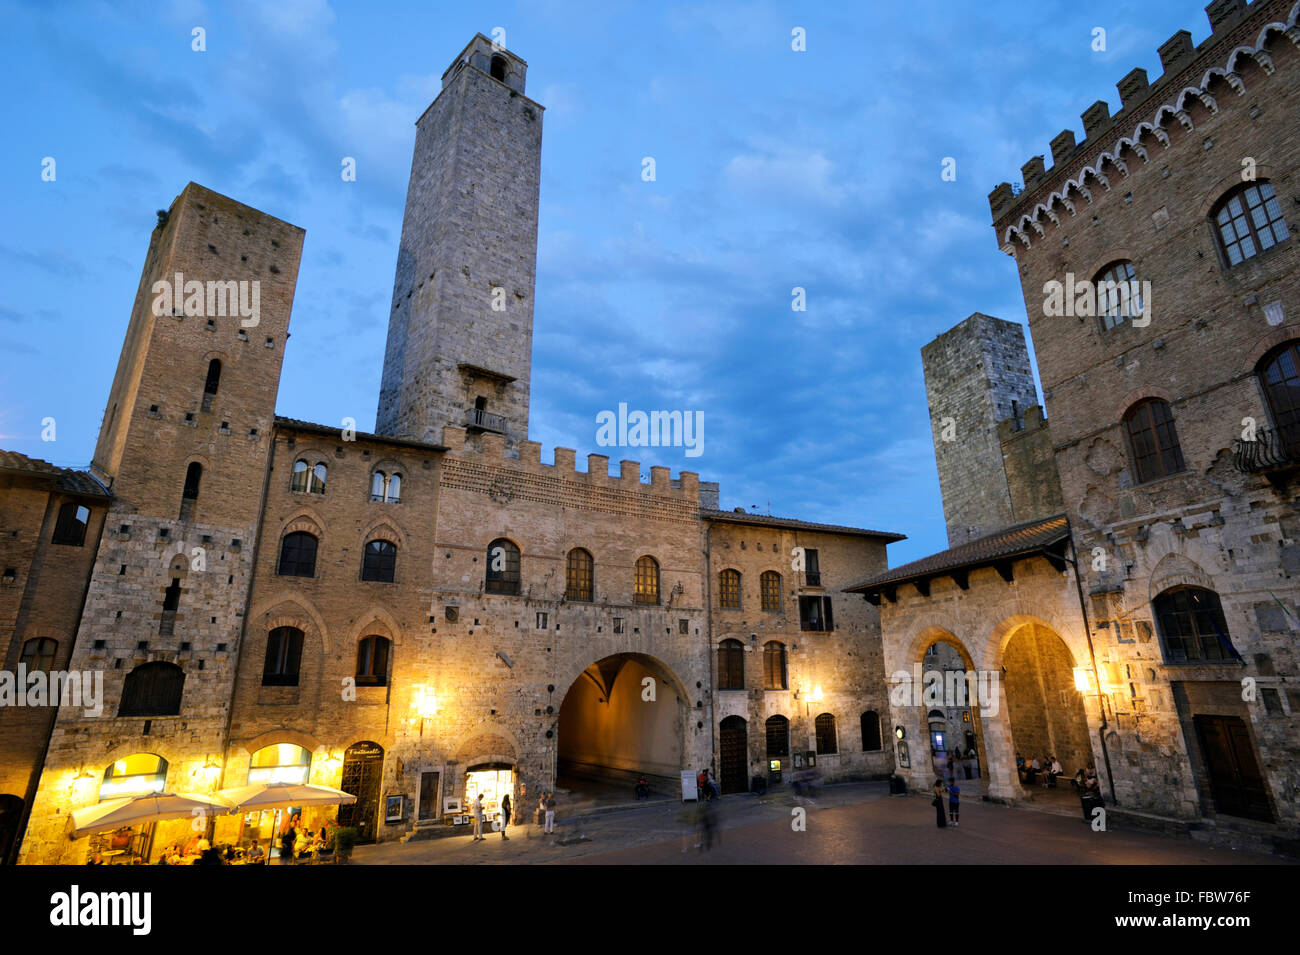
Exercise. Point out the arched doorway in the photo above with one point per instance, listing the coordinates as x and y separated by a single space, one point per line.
733 755
1044 709
363 770
623 717
949 700
11 811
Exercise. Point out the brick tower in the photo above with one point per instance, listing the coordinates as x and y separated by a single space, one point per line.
460 333
977 374
184 449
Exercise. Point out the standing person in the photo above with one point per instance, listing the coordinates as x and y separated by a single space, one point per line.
505 815
702 785
714 791
550 813
478 819
541 807
954 797
708 825
937 802
287 839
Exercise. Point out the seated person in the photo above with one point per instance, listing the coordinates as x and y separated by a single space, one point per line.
255 855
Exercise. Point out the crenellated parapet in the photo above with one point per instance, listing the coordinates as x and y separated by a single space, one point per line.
526 475
1246 46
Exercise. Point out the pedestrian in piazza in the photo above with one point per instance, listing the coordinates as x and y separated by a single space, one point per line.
478 819
505 815
550 813
954 802
937 802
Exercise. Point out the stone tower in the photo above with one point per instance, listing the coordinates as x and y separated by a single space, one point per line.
460 333
184 449
977 374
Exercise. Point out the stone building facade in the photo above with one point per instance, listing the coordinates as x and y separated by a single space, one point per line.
1174 439
424 614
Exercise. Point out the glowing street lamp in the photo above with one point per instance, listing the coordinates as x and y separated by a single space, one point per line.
425 704
1083 680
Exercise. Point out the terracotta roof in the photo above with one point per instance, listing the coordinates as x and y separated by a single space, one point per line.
764 520
337 432
1020 540
65 479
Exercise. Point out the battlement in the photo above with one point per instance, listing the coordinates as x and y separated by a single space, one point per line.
1238 53
491 450
1024 425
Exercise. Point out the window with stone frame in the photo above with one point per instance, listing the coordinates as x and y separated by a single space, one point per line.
775 675
152 689
1279 375
1119 297
1248 221
283 657
1192 627
379 562
815 614
503 575
731 665
211 384
825 727
307 479
770 590
729 590
579 575
870 731
70 527
372 661
1153 440
297 555
38 654
385 488
647 581
190 491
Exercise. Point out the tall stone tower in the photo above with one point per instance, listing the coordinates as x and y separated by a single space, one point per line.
460 333
184 449
977 374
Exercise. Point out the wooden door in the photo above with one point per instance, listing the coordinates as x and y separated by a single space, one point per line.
363 769
734 756
1235 780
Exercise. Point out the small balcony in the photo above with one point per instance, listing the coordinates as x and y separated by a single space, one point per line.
1268 453
476 419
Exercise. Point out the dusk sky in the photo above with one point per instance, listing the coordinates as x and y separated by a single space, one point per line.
774 169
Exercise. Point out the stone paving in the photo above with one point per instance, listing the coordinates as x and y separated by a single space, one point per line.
850 824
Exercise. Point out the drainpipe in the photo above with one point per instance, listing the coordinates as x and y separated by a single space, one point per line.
708 644
1073 560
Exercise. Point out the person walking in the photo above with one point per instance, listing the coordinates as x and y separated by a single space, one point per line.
550 813
954 804
478 819
505 816
287 839
937 802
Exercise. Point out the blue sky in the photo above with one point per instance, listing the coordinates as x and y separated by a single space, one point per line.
775 169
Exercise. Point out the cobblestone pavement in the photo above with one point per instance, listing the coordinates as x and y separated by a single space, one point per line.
851 824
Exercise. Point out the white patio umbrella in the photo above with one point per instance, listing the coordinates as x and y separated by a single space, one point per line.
135 810
277 795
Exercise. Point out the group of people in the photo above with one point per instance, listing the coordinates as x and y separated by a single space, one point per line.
953 792
545 809
1045 772
297 842
706 785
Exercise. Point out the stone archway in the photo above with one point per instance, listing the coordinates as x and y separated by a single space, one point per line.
624 716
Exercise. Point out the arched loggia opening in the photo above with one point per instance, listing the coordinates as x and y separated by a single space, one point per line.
623 717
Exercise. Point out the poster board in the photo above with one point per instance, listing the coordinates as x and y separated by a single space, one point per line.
689 789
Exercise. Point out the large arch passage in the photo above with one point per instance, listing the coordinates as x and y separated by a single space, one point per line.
1044 709
623 717
953 726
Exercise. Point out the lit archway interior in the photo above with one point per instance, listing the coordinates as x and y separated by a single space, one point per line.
955 738
1045 710
612 728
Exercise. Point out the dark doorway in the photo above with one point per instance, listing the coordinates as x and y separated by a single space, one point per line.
11 811
734 749
1235 780
363 769
428 796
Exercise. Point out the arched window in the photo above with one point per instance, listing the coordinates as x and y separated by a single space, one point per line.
283 657
298 483
297 555
135 775
579 575
826 735
1279 373
70 528
1249 221
1119 297
729 590
499 68
38 654
308 479
393 495
1154 440
280 763
378 484
502 568
372 661
770 589
774 666
317 485
152 689
731 665
778 736
1192 627
647 581
379 562
211 384
870 732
